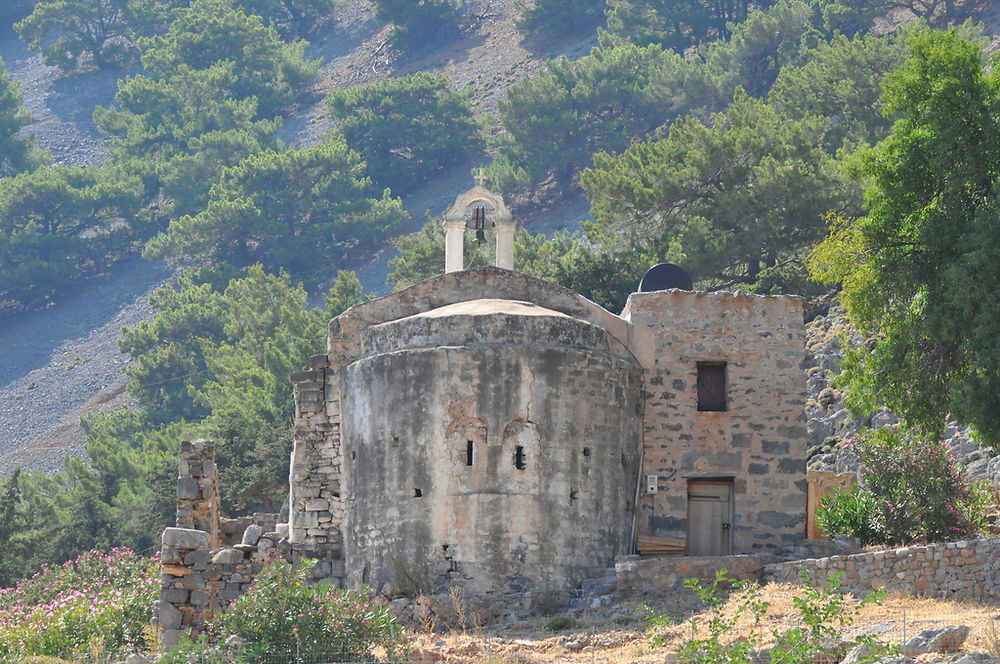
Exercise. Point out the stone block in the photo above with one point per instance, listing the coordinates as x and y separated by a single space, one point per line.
198 557
940 640
167 615
174 595
227 557
199 597
170 638
317 505
170 555
193 581
175 570
187 488
774 447
184 538
252 534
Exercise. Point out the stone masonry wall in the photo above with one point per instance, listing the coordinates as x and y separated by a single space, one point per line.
668 574
198 489
197 581
965 569
208 561
757 441
315 511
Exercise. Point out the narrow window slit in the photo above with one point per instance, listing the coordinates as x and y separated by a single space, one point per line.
519 457
586 453
469 454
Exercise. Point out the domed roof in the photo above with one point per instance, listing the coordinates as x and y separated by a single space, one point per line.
664 277
490 306
486 322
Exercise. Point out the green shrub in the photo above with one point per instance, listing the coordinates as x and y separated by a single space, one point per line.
558 16
825 614
406 128
848 513
282 614
415 19
919 490
560 623
95 600
412 579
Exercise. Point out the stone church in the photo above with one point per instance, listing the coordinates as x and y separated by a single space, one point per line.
505 433
497 433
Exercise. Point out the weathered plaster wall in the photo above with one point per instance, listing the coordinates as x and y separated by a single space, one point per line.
502 376
758 440
345 343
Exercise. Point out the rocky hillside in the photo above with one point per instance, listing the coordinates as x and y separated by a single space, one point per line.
830 423
61 362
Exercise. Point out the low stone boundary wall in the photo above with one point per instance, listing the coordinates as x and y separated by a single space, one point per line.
965 569
669 573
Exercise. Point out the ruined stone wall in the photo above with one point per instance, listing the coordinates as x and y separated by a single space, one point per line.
960 570
315 510
198 489
758 441
491 445
197 581
208 561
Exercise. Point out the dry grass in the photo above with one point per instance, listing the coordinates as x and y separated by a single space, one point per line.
897 618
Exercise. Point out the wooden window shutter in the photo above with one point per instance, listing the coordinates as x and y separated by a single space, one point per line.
712 386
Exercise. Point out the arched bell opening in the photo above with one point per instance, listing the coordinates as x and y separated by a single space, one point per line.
481 214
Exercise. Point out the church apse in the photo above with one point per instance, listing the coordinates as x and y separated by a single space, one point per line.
495 443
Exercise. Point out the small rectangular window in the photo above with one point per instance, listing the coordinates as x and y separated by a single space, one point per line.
469 453
519 457
712 386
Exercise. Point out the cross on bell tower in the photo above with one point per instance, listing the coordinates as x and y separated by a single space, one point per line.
481 178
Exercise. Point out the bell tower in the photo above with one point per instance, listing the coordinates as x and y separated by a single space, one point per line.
478 209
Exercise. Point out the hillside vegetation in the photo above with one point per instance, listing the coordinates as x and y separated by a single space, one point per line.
735 139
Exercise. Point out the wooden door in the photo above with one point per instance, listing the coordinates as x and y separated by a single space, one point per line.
709 517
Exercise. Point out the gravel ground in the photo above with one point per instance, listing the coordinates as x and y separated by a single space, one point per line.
55 361
61 106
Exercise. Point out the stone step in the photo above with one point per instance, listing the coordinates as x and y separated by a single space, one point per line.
599 586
